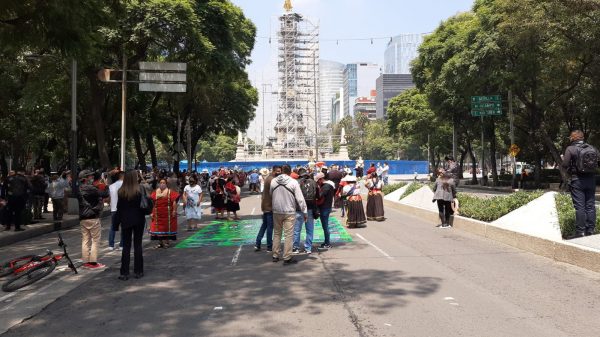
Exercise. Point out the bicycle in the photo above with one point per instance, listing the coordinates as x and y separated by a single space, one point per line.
29 269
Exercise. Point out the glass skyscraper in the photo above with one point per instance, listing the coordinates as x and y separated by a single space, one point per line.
331 76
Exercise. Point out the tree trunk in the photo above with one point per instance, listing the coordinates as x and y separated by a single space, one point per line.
556 155
97 120
473 164
138 149
492 137
463 154
152 149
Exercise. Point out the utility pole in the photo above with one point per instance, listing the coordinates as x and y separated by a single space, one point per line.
188 130
123 112
511 117
316 107
74 173
178 139
483 173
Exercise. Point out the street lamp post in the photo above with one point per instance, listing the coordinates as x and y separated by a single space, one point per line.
74 173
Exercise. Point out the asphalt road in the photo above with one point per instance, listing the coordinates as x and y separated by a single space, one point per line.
401 277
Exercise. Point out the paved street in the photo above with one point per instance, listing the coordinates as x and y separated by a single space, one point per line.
402 277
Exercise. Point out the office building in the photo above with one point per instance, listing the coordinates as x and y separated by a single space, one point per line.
366 106
359 80
400 51
388 87
331 76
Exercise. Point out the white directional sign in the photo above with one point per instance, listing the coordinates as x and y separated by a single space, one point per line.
163 76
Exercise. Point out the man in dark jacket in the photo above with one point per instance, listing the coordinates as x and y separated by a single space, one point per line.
90 207
38 189
582 186
17 192
326 194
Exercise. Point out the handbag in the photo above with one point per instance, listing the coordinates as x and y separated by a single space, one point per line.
146 203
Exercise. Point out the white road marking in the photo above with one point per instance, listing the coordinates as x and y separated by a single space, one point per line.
374 246
254 209
454 303
448 298
218 308
387 324
236 256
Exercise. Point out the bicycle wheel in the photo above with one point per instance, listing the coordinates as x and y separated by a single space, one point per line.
6 268
30 276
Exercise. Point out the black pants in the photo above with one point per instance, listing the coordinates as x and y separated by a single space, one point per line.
15 208
445 209
583 190
57 209
138 259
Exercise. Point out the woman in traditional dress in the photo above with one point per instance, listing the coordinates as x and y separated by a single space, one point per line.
233 198
192 199
356 213
218 201
375 210
164 215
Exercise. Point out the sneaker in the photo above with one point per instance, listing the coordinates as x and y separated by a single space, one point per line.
445 226
295 251
96 266
325 246
269 250
308 252
275 259
576 235
290 261
256 248
111 248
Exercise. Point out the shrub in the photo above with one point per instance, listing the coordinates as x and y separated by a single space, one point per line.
410 189
566 215
387 189
494 208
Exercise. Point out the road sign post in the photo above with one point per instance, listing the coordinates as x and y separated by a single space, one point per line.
482 106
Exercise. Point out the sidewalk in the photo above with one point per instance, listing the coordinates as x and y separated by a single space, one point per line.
43 226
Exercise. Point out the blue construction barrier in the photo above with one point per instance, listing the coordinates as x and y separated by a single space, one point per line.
396 166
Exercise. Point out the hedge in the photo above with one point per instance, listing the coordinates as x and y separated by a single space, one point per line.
387 189
566 215
410 189
494 208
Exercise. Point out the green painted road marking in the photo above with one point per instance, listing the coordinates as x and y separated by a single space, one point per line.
243 232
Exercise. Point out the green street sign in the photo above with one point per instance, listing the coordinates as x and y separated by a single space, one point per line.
489 98
490 105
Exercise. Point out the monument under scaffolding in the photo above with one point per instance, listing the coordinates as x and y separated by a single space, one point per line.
296 129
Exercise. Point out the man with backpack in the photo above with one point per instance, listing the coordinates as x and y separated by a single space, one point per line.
310 192
287 198
90 208
581 161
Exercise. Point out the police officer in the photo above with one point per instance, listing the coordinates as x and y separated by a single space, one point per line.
583 183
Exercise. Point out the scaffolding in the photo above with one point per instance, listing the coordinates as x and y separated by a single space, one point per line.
298 67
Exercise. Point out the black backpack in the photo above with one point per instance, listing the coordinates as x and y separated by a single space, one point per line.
17 187
309 189
587 159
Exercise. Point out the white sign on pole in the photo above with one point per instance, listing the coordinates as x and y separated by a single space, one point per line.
162 87
163 76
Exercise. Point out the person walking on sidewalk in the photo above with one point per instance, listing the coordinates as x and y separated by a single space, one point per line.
17 192
444 191
114 199
38 189
90 207
130 216
266 207
287 199
581 161
56 192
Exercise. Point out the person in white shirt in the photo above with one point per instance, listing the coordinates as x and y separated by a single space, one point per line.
385 170
114 198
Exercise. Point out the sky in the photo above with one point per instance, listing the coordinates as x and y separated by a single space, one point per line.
338 21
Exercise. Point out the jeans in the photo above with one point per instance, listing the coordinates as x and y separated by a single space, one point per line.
38 205
310 228
267 226
325 212
138 259
583 190
385 180
112 232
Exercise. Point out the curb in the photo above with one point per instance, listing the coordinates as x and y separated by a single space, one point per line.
566 252
43 228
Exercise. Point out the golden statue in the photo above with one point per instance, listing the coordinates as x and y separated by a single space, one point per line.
288 5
